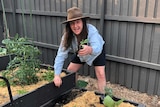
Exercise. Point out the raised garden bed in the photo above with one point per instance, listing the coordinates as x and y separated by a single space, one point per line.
51 96
5 59
45 95
77 96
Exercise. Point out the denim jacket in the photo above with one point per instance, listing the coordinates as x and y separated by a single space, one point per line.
95 41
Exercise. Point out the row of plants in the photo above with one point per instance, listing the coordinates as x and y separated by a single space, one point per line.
23 68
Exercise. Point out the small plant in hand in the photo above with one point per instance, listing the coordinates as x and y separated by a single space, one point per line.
23 68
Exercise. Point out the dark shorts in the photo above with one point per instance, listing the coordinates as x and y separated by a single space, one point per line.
99 61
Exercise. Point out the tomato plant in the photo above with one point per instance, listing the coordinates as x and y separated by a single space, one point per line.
23 68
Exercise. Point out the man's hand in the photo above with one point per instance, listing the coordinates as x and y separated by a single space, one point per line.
57 80
86 50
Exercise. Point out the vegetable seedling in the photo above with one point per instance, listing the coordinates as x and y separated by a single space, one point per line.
81 83
83 42
108 99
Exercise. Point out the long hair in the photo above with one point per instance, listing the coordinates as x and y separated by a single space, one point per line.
68 34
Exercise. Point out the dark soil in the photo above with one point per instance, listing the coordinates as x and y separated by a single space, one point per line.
68 97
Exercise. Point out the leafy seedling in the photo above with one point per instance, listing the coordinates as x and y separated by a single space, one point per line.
81 84
83 42
22 92
109 102
108 99
49 75
108 91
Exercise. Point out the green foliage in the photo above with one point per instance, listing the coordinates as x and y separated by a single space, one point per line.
2 83
23 68
108 101
21 92
108 91
83 42
3 51
81 84
49 75
12 44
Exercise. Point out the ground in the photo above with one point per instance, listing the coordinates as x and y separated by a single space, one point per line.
123 92
118 91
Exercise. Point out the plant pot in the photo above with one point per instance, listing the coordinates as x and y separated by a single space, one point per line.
45 95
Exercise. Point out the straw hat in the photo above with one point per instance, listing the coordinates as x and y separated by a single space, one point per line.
74 13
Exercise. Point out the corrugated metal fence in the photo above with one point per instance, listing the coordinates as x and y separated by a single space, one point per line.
131 29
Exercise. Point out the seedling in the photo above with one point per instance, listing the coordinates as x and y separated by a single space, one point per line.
108 91
108 99
81 83
83 42
49 75
22 92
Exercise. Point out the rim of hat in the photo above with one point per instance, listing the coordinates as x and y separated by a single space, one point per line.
74 13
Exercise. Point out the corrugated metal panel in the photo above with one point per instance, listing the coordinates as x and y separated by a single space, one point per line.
130 28
131 33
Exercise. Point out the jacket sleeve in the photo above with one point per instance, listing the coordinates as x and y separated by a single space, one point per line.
62 54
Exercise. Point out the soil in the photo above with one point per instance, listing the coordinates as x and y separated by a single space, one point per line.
118 91
123 92
84 98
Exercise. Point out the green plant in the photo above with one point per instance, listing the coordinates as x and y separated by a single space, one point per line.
2 83
83 42
108 99
13 44
49 75
3 51
81 83
23 68
21 92
108 91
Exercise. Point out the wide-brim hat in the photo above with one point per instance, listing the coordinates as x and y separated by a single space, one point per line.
74 13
